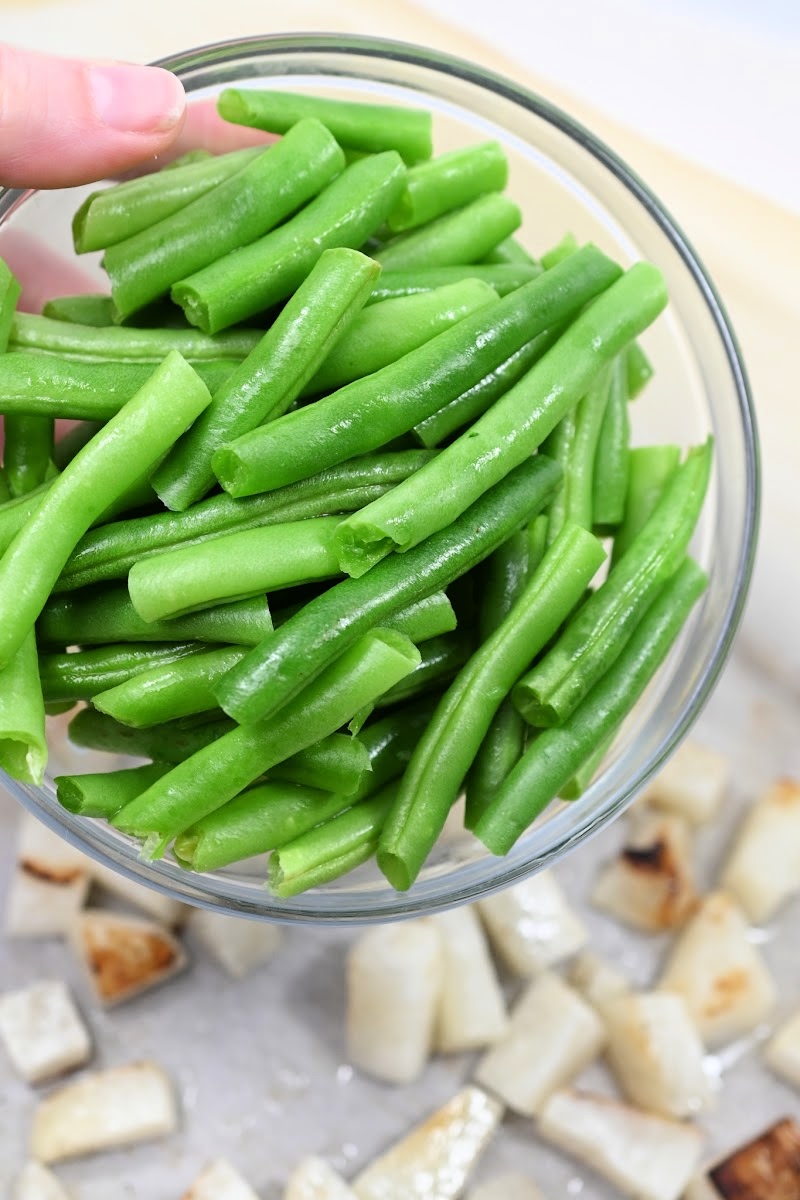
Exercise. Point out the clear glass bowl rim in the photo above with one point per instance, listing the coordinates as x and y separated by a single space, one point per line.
227 896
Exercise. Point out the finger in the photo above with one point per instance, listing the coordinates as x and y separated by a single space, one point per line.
69 121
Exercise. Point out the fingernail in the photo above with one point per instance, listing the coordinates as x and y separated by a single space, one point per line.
134 99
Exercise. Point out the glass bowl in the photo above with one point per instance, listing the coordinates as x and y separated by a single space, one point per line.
564 179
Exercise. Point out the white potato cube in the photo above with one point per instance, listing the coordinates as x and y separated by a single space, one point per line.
553 1035
313 1179
220 1181
720 973
531 926
472 1009
43 1031
158 906
506 1187
692 784
394 977
123 955
645 1156
763 871
783 1050
438 1157
239 946
656 1054
103 1111
35 1182
49 883
767 1168
650 885
598 982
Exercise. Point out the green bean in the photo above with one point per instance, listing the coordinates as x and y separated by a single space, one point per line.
272 186
81 674
573 444
185 160
650 470
385 332
504 278
23 744
254 822
43 385
610 483
250 279
278 669
110 551
105 793
510 252
598 632
216 774
168 690
369 412
117 457
557 754
500 751
332 849
512 429
106 615
563 249
116 213
367 127
473 403
574 788
463 236
338 764
74 440
441 659
10 290
537 541
426 619
503 578
389 743
15 513
233 567
88 343
28 451
449 745
449 181
93 308
321 311
638 370
5 494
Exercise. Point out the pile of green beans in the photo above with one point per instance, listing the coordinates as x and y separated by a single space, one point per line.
323 549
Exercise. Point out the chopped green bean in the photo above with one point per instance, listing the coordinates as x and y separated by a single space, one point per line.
88 343
512 429
574 788
23 744
369 412
82 674
116 458
110 551
500 751
598 632
610 482
43 385
106 615
329 851
573 444
504 278
449 745
250 279
503 577
338 764
272 186
15 513
463 236
27 452
10 290
426 619
168 690
638 370
254 822
103 795
232 567
563 249
441 658
370 128
449 181
510 253
389 743
385 332
5 494
215 775
650 470
93 308
557 754
278 669
275 373
116 213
